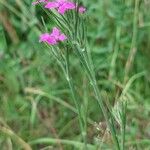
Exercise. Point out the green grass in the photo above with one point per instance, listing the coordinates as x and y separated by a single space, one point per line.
36 106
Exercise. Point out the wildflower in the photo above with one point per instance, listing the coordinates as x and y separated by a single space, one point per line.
82 9
65 7
53 38
60 5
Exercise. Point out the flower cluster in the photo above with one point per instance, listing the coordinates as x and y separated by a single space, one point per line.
61 5
53 38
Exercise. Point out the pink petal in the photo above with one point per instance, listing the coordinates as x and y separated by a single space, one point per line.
55 32
62 10
51 5
44 37
51 40
82 9
62 37
65 7
69 5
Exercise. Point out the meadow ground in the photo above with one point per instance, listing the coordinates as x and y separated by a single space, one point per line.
36 107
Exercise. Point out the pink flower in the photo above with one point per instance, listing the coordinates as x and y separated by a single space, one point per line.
44 37
63 5
60 5
58 35
53 38
82 9
52 41
51 5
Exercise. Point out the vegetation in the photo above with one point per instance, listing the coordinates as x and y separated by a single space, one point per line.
105 102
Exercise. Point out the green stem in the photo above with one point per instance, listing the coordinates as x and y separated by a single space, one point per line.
76 102
123 125
71 86
85 60
112 72
133 48
106 116
63 61
77 145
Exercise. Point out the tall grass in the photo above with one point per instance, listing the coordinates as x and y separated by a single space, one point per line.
107 51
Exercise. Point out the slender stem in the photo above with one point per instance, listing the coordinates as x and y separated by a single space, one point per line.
77 145
85 109
106 116
123 137
63 61
85 60
112 72
75 99
133 48
71 86
123 125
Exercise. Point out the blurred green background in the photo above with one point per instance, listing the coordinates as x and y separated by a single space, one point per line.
35 100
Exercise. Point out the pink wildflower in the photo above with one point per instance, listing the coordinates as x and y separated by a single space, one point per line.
44 37
58 35
82 9
51 5
63 5
53 38
60 5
